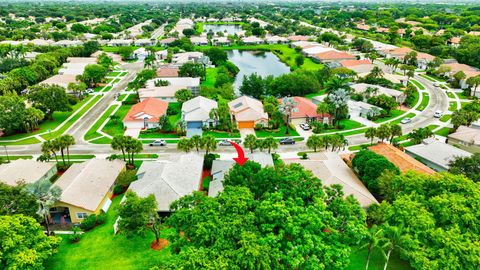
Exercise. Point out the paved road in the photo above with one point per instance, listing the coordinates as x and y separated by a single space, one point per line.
158 32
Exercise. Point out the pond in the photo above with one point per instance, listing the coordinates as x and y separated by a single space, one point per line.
228 29
262 63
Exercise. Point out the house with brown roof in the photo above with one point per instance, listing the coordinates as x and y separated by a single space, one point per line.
456 67
361 67
334 56
399 53
454 41
247 112
466 138
146 114
332 170
298 38
400 159
167 72
86 189
305 111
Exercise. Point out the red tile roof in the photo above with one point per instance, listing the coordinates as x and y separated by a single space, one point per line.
167 72
305 108
150 107
352 63
334 55
298 38
402 160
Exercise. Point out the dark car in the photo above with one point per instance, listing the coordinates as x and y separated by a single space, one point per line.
287 141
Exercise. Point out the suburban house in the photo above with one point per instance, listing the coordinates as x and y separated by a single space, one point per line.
222 167
252 40
466 138
454 41
333 56
361 67
76 65
192 84
120 42
86 189
165 72
221 41
375 90
399 53
26 171
199 41
60 80
146 114
305 44
140 54
196 113
403 161
190 57
305 111
247 112
315 49
67 43
165 93
169 180
361 109
332 170
457 67
435 154
275 40
167 41
144 42
298 38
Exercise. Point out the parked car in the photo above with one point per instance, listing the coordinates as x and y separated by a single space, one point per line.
224 143
158 143
89 91
406 121
287 141
438 114
436 84
305 126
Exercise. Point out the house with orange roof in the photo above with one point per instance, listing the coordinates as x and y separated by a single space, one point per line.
247 112
399 53
454 41
298 38
167 72
333 56
363 27
402 160
305 111
146 114
361 67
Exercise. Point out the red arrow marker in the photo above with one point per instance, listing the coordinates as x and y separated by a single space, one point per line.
241 159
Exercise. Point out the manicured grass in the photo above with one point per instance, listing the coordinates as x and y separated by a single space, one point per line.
445 117
407 144
417 84
102 140
82 156
31 140
107 88
221 134
450 94
312 95
210 77
58 118
92 132
452 106
116 127
461 95
281 132
352 132
347 125
358 147
443 131
393 114
122 97
146 156
432 127
113 74
425 101
176 117
123 73
358 260
100 248
14 157
158 135
427 77
72 120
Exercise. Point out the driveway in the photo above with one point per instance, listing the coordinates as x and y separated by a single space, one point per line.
246 131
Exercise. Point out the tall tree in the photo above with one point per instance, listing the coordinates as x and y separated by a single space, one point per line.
185 144
209 143
250 142
314 142
371 133
270 143
49 99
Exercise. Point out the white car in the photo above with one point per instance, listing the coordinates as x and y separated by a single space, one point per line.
406 121
436 84
158 143
438 114
305 126
89 91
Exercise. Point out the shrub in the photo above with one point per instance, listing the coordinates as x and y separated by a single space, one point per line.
206 182
126 177
258 127
172 110
89 223
101 218
76 236
118 189
208 161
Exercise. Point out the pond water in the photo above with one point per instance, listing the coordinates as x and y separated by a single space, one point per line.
262 63
228 29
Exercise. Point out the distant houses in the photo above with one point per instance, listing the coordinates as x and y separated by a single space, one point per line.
400 159
375 90
247 112
466 138
26 171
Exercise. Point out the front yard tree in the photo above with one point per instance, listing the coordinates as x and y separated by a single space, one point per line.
217 55
208 143
65 142
286 107
383 132
183 95
371 133
49 99
93 74
126 52
23 245
253 85
196 142
138 215
395 131
132 147
50 148
77 89
468 166
185 145
250 142
314 142
15 200
16 117
270 143
46 195
118 143
195 70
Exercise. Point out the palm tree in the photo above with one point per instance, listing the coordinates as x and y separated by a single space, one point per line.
184 144
326 141
250 142
336 83
209 143
391 239
270 143
132 147
286 107
323 108
474 82
118 143
371 133
50 148
373 240
196 142
314 142
395 130
339 100
67 141
395 63
46 196
376 72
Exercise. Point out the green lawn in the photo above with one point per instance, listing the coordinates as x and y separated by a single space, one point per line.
14 157
445 117
358 260
425 101
102 249
113 74
427 77
281 132
102 140
158 135
210 77
443 131
82 156
417 84
432 127
453 106
58 118
393 114
92 132
31 140
312 95
450 94
358 147
347 125
114 128
176 117
461 95
221 134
